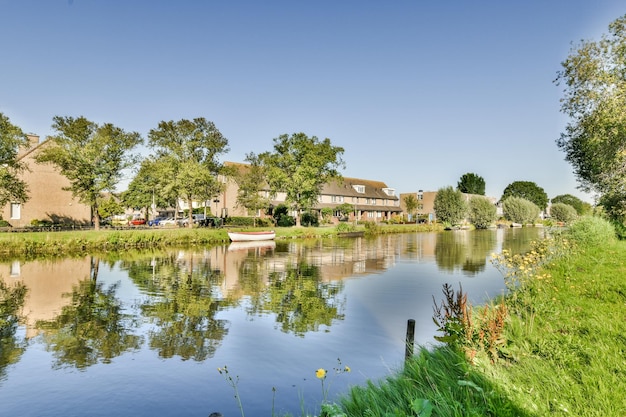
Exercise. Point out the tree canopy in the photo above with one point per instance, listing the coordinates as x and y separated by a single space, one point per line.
471 183
299 166
594 97
527 190
482 212
187 152
12 188
91 156
251 182
580 206
450 206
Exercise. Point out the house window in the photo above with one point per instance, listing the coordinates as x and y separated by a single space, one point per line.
337 199
16 211
370 214
16 269
359 188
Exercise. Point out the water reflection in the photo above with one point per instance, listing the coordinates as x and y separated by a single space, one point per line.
183 304
157 321
465 251
11 347
91 328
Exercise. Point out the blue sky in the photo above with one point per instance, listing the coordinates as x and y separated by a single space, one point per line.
418 93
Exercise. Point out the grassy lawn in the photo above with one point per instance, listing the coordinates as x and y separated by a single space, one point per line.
66 242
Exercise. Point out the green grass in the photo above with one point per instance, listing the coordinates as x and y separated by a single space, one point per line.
80 241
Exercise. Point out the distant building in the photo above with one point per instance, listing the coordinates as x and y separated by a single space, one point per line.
372 200
48 201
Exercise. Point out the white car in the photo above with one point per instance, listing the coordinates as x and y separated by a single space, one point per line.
168 222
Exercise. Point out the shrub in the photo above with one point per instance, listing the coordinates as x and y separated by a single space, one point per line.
371 228
591 231
482 213
519 210
562 212
449 206
309 219
345 227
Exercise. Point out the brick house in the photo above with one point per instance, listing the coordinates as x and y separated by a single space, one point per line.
48 200
372 200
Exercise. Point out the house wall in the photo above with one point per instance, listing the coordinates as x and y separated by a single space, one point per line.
48 201
425 203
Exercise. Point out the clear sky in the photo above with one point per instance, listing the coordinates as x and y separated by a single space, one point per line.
418 93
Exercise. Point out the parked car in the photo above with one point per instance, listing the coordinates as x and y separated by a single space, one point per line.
168 222
138 221
156 221
197 219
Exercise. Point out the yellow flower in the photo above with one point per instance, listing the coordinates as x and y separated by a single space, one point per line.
347 369
320 373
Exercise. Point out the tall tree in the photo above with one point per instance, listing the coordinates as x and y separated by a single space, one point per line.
91 156
450 206
594 98
471 184
299 167
527 190
410 202
571 200
148 187
251 182
190 149
11 187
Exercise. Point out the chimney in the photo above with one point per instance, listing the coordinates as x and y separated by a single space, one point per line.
33 140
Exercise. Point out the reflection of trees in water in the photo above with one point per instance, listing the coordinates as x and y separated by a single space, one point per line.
92 328
519 240
463 250
299 299
182 305
11 301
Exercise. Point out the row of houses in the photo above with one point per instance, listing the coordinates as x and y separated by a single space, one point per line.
51 201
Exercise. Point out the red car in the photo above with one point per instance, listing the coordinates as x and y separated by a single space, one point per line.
137 222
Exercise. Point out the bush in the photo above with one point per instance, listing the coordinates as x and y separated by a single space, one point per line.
519 210
345 227
592 231
309 219
285 221
562 212
482 213
371 228
450 206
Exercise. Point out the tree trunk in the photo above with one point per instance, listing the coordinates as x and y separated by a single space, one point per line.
190 218
96 217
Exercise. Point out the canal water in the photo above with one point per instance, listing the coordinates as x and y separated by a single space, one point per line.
144 333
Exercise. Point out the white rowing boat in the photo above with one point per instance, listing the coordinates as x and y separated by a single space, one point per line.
251 236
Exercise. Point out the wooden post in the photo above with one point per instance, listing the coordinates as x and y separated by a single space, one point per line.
410 339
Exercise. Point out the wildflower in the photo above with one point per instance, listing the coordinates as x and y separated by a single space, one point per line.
320 373
347 369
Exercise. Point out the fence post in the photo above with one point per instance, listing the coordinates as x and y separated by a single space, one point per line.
410 339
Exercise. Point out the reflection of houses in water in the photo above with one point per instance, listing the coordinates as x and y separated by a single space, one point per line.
336 260
48 284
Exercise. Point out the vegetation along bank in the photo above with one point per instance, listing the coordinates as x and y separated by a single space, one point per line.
554 345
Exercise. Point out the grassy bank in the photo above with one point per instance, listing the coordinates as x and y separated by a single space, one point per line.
66 242
561 350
